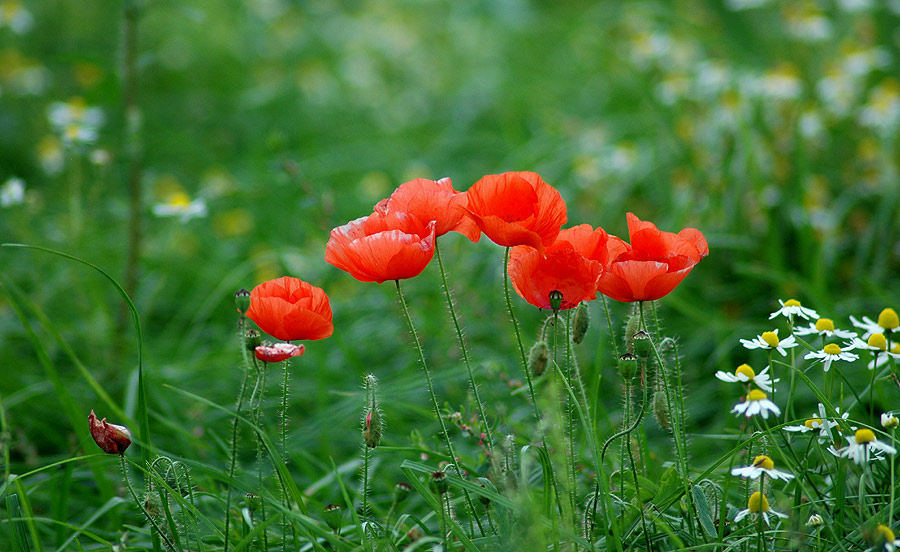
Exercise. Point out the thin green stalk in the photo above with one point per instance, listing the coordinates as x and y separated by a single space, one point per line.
872 387
464 350
234 426
365 507
759 517
893 479
282 430
256 408
140 504
434 403
637 496
570 418
515 322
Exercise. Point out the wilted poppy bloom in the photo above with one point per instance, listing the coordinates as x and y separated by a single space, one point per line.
112 438
380 247
653 264
289 308
276 352
517 208
432 200
571 266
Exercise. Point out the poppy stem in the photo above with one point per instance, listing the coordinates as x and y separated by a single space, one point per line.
465 352
123 464
515 322
234 426
255 408
437 410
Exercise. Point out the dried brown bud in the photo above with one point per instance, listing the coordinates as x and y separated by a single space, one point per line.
112 438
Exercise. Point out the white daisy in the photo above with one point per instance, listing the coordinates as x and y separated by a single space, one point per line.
762 464
883 358
745 374
180 205
12 192
887 320
889 421
825 328
757 504
769 341
821 423
756 403
882 536
830 353
793 307
864 447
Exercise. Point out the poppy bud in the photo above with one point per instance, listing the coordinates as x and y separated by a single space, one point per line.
372 428
242 300
631 328
642 346
556 298
628 366
252 501
661 410
332 515
252 339
439 483
486 484
581 323
112 438
537 358
401 491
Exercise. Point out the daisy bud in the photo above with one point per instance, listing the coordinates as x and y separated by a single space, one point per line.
628 366
112 438
815 520
332 515
401 491
537 358
556 298
242 300
252 339
372 428
581 323
889 421
642 346
888 319
439 483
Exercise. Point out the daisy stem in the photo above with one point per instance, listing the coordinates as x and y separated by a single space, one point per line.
893 479
872 387
515 322
772 373
464 350
759 518
437 409
234 426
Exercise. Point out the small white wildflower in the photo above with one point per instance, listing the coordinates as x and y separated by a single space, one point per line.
756 403
770 341
745 374
180 205
831 353
793 307
824 327
864 447
820 422
889 421
815 520
762 464
757 504
12 192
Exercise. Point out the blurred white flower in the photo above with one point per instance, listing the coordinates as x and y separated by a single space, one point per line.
864 447
793 307
14 15
745 374
12 192
762 464
180 205
882 110
824 327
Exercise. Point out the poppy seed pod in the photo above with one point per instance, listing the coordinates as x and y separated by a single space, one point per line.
537 358
252 339
401 491
581 323
642 346
112 438
242 300
439 483
628 366
332 515
556 298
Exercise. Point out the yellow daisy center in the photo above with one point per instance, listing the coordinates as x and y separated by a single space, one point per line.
895 348
756 395
792 303
825 325
832 349
757 503
864 436
179 199
888 319
884 532
878 341
771 339
746 370
813 423
764 462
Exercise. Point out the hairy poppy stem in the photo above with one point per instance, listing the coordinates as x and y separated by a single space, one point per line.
234 426
437 410
515 322
465 352
123 464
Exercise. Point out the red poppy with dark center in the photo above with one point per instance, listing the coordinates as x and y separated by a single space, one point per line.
276 352
290 309
517 208
381 247
653 264
571 266
111 438
432 200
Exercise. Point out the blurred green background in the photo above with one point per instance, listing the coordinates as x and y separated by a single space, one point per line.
771 126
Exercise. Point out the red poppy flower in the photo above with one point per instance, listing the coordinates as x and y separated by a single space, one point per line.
432 200
112 438
571 266
380 247
289 308
276 352
653 264
517 208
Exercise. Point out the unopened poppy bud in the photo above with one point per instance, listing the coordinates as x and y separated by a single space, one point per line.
252 339
556 298
112 438
372 428
439 483
332 515
242 300
581 323
537 358
401 491
642 346
661 410
252 501
628 366
486 484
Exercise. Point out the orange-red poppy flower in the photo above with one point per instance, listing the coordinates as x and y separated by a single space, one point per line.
276 352
289 308
112 438
517 208
571 266
381 247
653 264
432 200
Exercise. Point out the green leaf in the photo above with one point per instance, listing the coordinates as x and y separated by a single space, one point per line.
704 511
